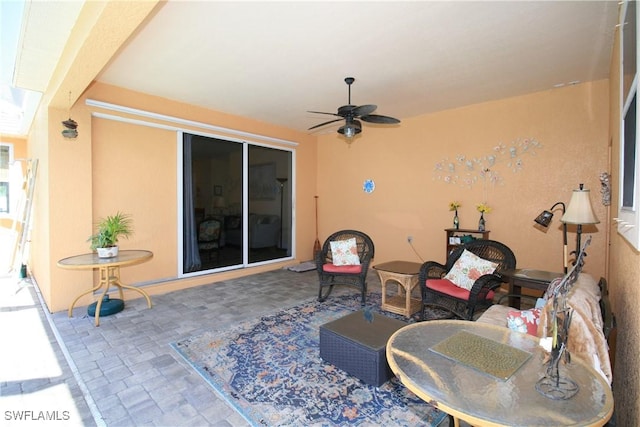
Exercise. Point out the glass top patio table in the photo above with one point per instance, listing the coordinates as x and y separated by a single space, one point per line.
481 399
91 260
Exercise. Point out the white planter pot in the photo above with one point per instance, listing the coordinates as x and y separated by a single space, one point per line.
107 252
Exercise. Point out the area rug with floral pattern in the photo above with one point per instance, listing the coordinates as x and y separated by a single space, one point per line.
269 369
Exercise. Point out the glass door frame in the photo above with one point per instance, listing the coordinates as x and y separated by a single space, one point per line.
245 204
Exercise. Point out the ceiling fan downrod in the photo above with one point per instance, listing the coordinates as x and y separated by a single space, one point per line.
349 81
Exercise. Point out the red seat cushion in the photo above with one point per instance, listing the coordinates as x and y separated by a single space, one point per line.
346 269
448 287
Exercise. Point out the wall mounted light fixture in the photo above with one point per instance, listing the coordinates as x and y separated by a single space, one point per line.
71 126
544 219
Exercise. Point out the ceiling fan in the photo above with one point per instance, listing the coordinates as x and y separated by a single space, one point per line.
350 113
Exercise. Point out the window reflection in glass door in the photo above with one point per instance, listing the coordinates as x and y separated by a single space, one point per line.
269 219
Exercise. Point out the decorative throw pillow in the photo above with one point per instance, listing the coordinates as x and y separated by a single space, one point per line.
345 252
525 321
468 268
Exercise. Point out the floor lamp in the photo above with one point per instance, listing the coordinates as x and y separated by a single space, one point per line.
282 182
544 219
579 212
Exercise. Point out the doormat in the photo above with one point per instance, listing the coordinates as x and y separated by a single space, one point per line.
302 267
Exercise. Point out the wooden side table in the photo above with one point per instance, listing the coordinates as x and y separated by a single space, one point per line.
405 275
526 278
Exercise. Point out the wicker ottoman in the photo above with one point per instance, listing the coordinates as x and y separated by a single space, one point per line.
359 347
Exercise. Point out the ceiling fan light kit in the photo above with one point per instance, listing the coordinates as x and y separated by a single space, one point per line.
350 129
350 113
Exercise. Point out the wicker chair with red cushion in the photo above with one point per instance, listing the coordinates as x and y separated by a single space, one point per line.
440 292
331 272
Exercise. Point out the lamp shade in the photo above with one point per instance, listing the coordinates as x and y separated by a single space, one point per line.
579 210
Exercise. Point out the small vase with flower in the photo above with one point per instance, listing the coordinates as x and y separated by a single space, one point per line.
453 206
482 208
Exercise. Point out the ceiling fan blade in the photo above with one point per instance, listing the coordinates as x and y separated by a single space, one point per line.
375 118
364 110
322 112
325 123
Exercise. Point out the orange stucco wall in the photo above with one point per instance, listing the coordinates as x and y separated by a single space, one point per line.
118 166
412 197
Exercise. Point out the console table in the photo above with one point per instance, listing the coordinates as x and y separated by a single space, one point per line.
481 399
109 273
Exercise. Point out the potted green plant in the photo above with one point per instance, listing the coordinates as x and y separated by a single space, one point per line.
109 230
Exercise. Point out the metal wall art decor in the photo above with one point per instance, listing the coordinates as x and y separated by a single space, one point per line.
468 171
605 188
554 384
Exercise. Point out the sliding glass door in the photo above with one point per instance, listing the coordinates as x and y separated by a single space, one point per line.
237 204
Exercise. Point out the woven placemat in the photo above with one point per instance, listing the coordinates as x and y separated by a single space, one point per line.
485 355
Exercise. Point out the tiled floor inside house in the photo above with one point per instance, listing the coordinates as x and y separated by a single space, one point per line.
124 372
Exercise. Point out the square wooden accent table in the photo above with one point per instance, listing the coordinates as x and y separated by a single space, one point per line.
405 275
527 278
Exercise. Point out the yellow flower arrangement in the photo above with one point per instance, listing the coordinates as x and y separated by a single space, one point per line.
483 208
453 206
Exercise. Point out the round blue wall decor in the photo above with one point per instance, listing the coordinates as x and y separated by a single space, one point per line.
369 186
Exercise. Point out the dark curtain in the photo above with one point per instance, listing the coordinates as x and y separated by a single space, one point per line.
191 255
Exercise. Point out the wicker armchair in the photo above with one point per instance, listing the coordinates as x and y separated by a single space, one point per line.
209 232
460 302
350 275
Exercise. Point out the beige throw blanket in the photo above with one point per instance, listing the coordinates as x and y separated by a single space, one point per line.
586 336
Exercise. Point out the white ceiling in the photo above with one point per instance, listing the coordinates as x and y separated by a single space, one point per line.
273 61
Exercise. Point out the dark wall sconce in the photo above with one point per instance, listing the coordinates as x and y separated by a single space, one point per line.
71 128
544 219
